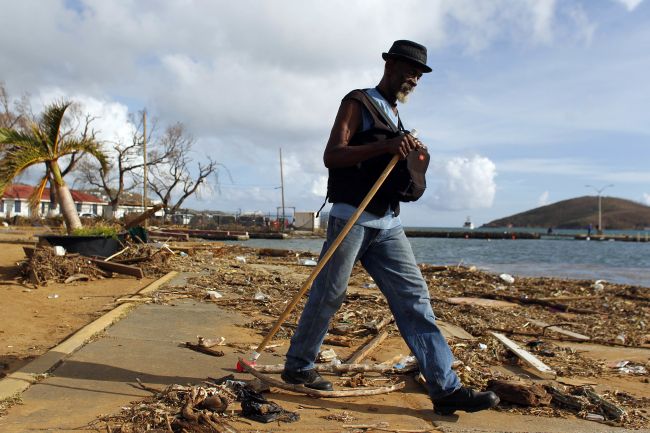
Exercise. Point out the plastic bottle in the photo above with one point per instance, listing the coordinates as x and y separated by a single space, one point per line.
404 360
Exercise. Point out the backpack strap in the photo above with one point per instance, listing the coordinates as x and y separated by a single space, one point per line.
399 124
322 206
396 128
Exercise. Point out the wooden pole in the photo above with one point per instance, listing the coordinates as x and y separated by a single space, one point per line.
282 189
144 167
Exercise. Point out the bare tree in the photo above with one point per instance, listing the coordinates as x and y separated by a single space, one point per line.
174 178
126 162
18 116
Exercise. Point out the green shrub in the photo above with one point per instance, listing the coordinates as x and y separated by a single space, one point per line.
106 231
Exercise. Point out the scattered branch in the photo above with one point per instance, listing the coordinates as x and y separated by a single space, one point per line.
301 389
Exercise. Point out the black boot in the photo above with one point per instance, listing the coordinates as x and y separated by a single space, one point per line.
309 378
465 399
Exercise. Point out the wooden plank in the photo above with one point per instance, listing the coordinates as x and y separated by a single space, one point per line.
118 268
143 216
559 330
453 331
367 348
482 302
540 368
527 301
132 260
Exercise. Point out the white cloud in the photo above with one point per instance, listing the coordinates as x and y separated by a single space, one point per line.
630 5
462 183
319 186
110 118
543 12
543 199
646 199
249 77
584 27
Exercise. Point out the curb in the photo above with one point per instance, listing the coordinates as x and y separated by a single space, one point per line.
21 379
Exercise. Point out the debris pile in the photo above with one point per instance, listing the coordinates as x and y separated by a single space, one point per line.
199 408
45 265
539 316
155 260
572 303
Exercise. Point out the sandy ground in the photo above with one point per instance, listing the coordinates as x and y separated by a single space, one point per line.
32 320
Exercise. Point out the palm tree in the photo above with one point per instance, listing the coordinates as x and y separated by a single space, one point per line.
45 142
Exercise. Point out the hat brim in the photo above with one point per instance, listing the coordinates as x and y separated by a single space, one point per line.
425 68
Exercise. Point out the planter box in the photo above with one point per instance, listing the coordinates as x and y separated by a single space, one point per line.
86 245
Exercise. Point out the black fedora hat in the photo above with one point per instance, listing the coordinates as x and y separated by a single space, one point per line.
409 51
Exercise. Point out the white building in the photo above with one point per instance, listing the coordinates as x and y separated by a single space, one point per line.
129 208
306 221
15 202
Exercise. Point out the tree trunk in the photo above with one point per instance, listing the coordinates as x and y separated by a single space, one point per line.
51 212
68 208
109 211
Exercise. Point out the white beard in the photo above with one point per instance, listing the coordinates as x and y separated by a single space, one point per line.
403 93
402 97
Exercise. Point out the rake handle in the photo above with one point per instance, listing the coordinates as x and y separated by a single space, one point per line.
328 254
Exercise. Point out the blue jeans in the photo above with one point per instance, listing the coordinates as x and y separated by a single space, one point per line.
388 258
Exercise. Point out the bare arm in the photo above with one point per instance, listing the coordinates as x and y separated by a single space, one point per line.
338 152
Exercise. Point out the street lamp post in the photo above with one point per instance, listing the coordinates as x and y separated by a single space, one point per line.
600 208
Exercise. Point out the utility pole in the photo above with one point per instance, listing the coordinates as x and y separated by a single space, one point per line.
144 167
282 189
600 207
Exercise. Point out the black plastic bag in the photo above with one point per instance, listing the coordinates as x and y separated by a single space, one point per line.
254 406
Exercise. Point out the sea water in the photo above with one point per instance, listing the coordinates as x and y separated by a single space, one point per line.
614 261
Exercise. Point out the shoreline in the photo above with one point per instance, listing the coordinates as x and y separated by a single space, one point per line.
474 252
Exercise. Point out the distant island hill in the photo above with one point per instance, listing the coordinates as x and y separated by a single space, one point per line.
573 214
579 213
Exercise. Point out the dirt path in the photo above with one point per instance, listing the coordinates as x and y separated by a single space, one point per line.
32 319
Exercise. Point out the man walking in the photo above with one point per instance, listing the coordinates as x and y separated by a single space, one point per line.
361 144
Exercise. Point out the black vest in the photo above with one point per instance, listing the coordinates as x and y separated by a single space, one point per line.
351 184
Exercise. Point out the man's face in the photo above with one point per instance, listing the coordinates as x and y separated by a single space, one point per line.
404 77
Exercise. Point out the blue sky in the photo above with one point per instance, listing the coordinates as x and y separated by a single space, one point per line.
529 101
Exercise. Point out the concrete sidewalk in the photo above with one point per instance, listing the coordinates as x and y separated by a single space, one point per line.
147 344
98 378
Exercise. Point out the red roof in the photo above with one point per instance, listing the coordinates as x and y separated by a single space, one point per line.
19 191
